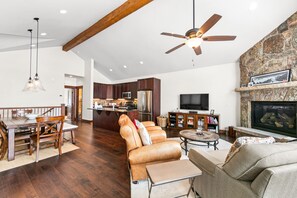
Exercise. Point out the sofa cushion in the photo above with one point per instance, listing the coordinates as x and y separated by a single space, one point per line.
251 159
144 135
247 140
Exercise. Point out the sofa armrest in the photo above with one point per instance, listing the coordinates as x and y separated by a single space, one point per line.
153 128
148 123
205 161
168 150
157 136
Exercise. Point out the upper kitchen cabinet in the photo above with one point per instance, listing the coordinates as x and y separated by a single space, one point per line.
117 91
133 89
109 92
103 91
146 84
96 93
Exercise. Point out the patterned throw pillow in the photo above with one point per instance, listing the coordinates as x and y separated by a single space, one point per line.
247 140
144 135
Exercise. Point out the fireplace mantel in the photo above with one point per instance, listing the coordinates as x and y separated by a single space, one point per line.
271 86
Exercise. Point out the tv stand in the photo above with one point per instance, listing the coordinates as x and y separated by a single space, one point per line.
207 122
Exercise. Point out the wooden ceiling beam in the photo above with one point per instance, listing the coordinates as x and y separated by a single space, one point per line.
116 15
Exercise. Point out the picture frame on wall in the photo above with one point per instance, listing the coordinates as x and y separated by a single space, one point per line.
271 78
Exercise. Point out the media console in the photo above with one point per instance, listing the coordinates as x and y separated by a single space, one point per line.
207 122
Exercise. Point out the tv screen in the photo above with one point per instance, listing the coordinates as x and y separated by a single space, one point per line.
194 101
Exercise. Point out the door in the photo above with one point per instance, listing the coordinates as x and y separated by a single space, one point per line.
73 102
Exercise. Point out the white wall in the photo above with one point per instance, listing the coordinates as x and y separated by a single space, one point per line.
73 81
219 81
53 64
88 86
100 78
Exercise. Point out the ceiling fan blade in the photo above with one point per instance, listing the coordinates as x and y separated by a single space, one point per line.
174 35
175 48
219 38
209 23
197 50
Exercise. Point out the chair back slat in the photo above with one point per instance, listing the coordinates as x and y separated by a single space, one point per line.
49 126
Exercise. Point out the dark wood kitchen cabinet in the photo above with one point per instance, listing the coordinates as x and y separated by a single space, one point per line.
125 87
103 91
109 92
117 91
146 84
133 89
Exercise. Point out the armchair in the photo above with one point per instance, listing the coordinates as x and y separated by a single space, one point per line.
138 155
254 171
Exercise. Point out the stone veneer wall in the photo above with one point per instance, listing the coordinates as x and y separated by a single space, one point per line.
276 52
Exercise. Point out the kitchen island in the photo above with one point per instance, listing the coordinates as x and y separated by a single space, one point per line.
107 118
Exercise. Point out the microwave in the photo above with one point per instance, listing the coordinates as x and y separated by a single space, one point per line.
126 95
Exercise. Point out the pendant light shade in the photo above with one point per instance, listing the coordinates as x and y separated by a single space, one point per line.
36 82
29 85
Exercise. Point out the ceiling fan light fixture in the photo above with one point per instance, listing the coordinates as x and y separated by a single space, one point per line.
194 42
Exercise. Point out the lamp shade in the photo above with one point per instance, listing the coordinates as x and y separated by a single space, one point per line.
37 84
29 86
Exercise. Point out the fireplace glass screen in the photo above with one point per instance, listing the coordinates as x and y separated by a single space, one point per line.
277 117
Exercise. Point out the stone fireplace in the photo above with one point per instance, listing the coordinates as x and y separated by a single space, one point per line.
276 52
277 117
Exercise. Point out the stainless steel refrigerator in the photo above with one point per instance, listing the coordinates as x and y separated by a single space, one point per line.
145 105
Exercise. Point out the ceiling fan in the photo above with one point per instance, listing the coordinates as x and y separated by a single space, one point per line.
194 37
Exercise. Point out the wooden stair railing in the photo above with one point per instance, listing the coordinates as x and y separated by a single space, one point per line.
9 112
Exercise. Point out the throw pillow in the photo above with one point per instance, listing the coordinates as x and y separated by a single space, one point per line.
247 140
144 135
136 123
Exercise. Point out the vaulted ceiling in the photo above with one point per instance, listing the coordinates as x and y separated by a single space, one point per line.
137 37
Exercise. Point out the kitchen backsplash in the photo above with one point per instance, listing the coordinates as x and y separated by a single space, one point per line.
121 102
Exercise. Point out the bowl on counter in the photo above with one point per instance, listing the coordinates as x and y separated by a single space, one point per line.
31 116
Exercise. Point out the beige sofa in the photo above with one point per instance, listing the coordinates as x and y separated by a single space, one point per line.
262 170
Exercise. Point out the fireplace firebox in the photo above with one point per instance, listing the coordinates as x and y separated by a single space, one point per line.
276 117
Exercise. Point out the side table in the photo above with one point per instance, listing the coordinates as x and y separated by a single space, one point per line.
168 172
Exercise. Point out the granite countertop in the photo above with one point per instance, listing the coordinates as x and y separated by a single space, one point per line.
114 110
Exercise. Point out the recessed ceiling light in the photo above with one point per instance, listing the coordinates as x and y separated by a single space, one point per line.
43 34
110 70
253 5
70 76
125 66
63 11
141 62
33 45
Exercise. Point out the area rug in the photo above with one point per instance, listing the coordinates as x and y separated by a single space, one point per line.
175 189
24 159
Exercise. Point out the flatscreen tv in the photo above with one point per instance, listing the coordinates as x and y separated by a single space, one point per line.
194 101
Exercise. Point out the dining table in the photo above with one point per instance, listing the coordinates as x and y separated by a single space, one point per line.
11 124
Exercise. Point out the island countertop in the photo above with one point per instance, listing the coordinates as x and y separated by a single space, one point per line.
107 118
113 109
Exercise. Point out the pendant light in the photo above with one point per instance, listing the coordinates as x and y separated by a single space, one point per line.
29 85
37 83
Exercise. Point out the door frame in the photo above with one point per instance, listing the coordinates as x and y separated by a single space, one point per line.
75 101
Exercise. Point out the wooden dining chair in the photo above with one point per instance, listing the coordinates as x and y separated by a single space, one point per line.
49 129
22 138
3 143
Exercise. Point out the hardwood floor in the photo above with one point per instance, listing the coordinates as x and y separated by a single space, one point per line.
97 169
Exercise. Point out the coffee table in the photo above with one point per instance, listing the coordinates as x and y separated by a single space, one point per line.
190 136
168 172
